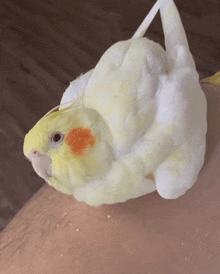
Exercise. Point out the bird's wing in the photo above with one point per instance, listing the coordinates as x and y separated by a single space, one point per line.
125 74
173 147
181 109
77 87
75 90
180 169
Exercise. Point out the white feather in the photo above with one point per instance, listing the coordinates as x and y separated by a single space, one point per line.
155 109
75 90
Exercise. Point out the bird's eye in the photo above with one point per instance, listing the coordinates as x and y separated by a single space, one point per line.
57 137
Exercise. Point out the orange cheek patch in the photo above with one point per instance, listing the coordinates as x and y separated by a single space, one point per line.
79 139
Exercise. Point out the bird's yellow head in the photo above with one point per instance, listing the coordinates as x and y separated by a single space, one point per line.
69 147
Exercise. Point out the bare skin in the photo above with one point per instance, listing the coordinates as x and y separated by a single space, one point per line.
53 233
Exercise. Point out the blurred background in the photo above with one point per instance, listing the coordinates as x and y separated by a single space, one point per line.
45 44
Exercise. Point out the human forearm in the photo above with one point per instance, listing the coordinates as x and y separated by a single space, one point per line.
38 239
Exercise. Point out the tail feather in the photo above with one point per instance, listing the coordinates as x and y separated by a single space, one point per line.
147 21
176 43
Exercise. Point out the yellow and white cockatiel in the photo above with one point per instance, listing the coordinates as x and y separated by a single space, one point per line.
134 124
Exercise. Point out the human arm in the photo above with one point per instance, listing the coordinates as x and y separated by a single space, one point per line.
148 233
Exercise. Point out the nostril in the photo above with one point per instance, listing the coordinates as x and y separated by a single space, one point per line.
33 154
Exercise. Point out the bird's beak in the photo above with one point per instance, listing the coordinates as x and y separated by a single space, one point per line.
41 163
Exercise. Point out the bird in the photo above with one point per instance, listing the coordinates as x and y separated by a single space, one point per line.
134 124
